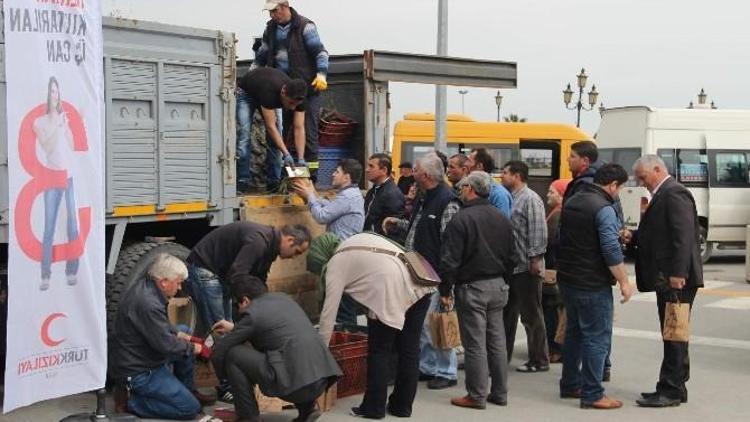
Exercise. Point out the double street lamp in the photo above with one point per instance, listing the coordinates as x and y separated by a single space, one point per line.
578 106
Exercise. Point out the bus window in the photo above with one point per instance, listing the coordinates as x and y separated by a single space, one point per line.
539 162
625 157
693 167
501 154
731 168
413 150
668 156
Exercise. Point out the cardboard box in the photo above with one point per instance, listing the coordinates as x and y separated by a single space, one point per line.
180 311
204 375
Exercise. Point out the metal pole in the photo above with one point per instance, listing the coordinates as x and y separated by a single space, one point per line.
441 92
498 113
579 106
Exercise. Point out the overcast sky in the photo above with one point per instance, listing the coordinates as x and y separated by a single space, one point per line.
637 52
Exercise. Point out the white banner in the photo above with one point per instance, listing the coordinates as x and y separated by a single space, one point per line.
55 114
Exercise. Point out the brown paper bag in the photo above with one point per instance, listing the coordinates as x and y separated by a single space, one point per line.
676 322
444 330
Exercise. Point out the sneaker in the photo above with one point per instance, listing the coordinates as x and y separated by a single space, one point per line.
45 284
224 395
72 279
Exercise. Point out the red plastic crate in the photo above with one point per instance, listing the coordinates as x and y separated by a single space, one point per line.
350 352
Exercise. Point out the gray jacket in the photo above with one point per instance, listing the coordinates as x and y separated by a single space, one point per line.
275 325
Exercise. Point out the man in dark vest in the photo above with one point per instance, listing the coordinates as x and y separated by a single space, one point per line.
432 213
589 262
291 43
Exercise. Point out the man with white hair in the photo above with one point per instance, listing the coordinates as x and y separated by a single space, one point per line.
145 345
667 246
432 213
476 258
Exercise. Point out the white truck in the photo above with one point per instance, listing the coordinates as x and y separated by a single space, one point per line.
706 150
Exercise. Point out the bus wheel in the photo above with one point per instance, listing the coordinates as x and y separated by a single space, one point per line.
133 264
707 247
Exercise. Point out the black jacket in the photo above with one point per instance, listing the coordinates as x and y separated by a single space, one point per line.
143 338
667 242
237 248
302 63
580 261
477 245
382 201
296 356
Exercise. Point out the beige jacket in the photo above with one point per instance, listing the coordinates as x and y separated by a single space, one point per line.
378 281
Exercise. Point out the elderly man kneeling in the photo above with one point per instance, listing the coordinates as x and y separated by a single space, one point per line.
367 268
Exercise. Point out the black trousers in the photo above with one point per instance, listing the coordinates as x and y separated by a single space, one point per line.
246 367
675 365
525 299
382 341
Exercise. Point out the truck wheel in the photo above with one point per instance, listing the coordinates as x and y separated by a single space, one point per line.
707 247
133 264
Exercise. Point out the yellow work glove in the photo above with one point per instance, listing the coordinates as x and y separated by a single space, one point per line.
320 83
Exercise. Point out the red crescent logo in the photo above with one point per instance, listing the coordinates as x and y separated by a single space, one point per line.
46 339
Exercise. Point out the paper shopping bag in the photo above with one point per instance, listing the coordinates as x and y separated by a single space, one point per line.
444 328
676 322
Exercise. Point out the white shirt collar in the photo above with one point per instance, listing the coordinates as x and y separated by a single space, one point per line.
656 189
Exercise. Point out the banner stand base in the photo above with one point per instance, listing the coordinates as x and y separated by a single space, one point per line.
101 414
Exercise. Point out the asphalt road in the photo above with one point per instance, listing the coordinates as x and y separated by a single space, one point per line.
720 368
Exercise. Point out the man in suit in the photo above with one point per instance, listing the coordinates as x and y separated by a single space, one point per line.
668 262
274 346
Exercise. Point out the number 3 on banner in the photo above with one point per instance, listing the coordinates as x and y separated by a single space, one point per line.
42 179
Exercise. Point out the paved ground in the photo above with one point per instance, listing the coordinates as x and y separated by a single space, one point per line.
720 358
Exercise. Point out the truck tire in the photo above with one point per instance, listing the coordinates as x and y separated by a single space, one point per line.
707 247
132 264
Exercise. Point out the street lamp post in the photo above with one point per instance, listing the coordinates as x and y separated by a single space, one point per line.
578 106
702 97
463 93
498 103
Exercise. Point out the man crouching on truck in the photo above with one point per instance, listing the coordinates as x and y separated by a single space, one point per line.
268 89
145 345
287 359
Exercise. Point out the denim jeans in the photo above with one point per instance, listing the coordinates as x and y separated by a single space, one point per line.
245 110
588 337
273 156
432 361
208 292
161 394
52 199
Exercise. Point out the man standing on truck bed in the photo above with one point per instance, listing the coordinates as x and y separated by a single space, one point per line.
291 43
269 89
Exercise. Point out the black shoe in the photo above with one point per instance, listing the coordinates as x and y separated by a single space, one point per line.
309 417
607 375
658 401
439 383
653 394
224 394
497 401
354 411
425 377
391 412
